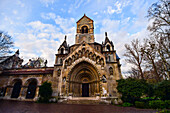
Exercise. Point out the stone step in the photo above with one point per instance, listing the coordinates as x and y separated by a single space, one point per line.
84 102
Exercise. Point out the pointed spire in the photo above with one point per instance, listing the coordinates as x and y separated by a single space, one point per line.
84 14
65 38
106 34
106 38
17 52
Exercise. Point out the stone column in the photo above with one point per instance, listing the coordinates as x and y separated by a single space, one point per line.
8 93
20 94
36 94
23 92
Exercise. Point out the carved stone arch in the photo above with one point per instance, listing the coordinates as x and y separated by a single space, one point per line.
83 72
30 80
73 58
86 53
84 60
102 62
97 60
94 57
76 56
69 61
80 53
15 80
90 55
83 51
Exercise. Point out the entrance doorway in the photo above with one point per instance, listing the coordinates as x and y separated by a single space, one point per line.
85 90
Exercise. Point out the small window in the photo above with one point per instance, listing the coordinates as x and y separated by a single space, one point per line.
109 58
108 48
62 50
61 61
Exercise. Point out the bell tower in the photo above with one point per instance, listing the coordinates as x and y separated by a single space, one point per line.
85 30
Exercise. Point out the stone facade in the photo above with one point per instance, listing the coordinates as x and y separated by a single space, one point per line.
85 69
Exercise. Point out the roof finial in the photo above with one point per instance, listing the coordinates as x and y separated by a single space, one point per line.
65 38
106 34
84 14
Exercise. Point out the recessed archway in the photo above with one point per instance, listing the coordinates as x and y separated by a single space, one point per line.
16 88
83 80
32 85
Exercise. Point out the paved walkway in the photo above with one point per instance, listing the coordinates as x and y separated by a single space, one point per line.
31 107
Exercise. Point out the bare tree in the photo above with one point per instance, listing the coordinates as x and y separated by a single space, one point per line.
159 13
151 57
162 46
5 43
134 56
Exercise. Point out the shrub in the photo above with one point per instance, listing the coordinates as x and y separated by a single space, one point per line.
126 104
139 104
162 90
45 92
167 104
132 89
157 104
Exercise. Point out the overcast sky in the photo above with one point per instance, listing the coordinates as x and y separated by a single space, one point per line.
38 26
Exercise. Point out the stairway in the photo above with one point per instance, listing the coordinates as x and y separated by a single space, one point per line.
84 101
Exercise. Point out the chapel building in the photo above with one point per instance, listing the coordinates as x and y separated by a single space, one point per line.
85 69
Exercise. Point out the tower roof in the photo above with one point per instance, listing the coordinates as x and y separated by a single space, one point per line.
84 17
64 43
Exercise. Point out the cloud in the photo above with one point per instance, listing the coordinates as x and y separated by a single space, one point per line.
67 25
47 2
21 4
48 15
117 8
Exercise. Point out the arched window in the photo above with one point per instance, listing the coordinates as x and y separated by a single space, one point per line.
61 61
108 47
109 58
84 29
62 51
58 72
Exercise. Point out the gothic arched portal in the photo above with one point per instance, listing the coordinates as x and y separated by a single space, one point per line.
84 80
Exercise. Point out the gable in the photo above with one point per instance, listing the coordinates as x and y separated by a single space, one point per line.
84 19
